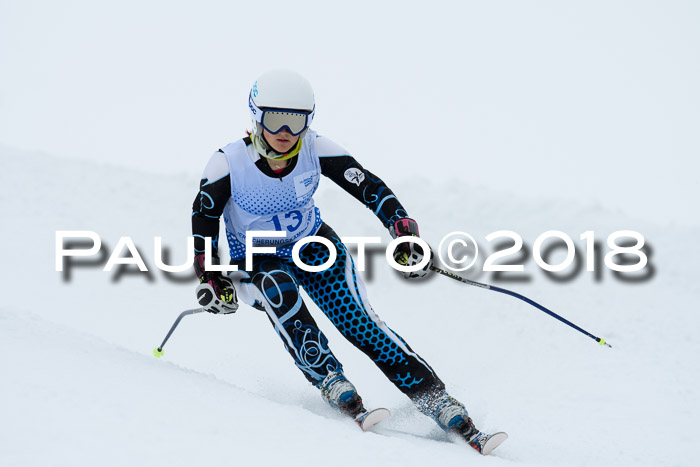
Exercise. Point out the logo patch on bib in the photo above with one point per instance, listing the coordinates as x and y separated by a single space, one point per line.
305 184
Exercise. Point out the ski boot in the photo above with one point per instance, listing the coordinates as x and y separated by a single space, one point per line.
342 395
452 417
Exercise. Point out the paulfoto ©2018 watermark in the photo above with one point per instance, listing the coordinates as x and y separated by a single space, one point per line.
627 252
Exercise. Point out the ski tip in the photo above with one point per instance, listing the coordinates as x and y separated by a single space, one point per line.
493 442
372 417
158 352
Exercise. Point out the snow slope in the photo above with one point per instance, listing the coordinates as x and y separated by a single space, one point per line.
79 385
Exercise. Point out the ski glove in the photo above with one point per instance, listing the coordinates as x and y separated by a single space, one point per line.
409 253
215 292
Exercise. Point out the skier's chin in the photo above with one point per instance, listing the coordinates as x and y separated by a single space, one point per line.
283 145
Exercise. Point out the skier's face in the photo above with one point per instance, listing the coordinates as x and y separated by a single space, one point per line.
282 141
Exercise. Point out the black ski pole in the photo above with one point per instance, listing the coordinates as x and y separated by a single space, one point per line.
158 351
599 340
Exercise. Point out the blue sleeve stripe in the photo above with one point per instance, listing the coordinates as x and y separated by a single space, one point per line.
333 155
382 202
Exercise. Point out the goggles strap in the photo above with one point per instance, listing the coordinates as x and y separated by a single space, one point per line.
254 109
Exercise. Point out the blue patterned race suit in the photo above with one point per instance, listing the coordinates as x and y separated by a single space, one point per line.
340 294
240 186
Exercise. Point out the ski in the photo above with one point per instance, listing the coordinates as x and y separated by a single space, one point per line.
367 419
485 443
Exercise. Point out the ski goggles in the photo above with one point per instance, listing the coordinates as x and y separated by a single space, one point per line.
276 120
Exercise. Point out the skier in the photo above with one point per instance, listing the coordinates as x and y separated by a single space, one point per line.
266 182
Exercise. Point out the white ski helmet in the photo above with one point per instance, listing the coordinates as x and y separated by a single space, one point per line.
281 99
